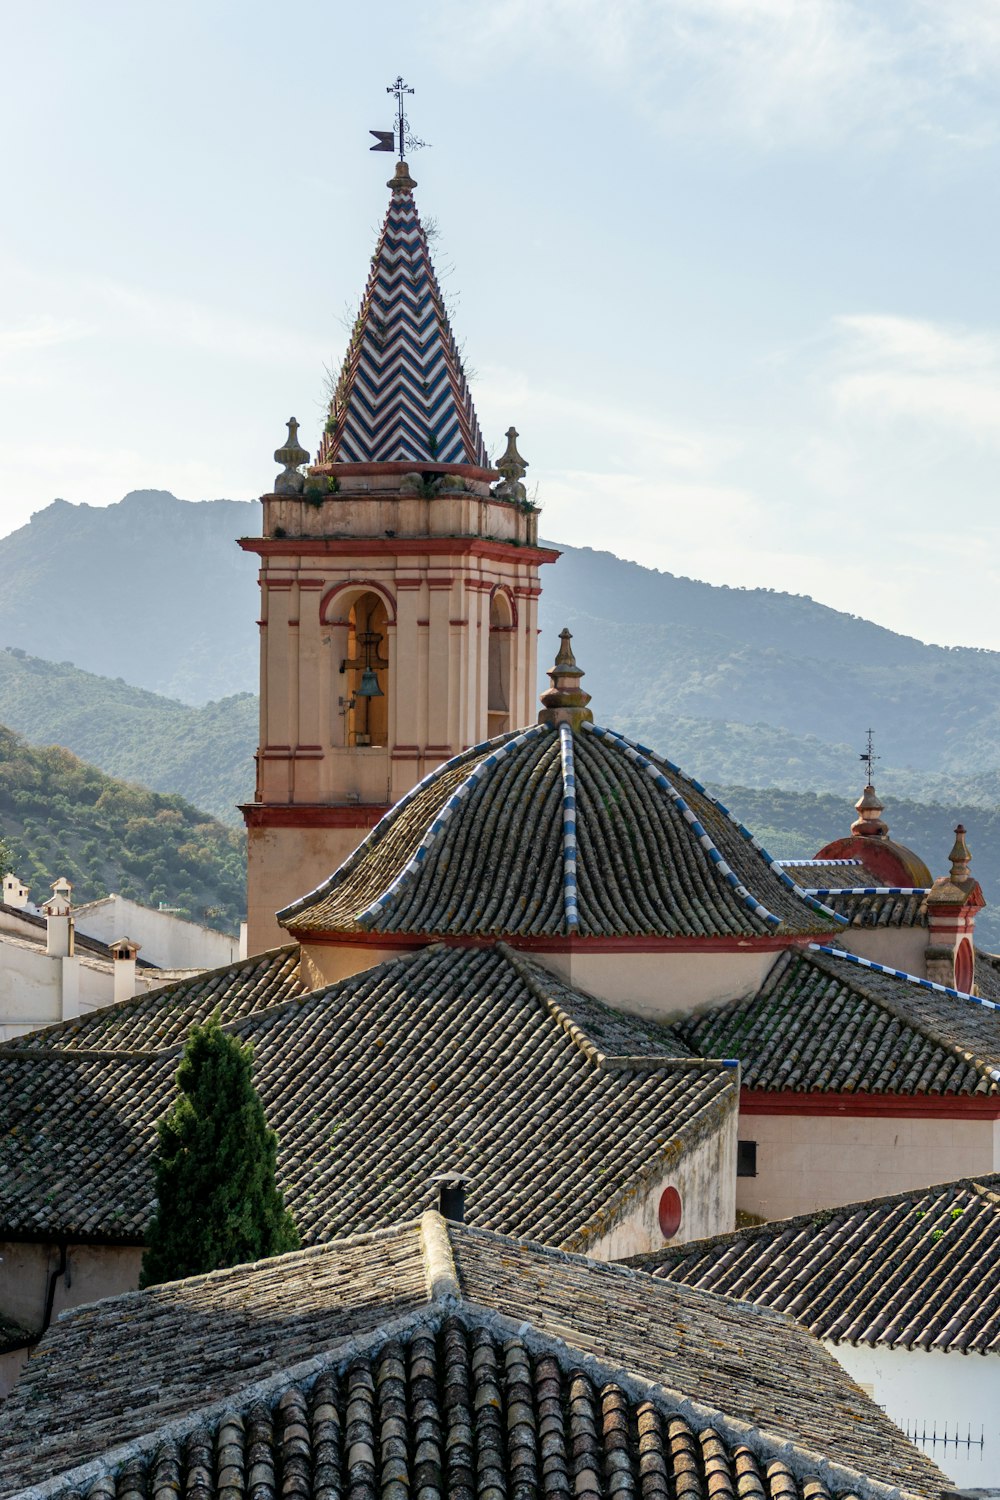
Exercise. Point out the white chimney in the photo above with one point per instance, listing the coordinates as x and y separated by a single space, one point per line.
124 951
59 927
14 893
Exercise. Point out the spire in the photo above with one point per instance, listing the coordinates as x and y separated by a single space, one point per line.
402 395
565 702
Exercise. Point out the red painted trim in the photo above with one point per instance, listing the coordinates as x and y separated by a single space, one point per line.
407 583
508 593
361 584
458 622
278 583
311 583
312 815
402 547
870 1106
557 944
439 582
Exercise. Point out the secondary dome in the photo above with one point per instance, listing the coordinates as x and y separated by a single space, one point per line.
562 829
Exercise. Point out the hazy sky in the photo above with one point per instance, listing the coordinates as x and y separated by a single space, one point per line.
730 266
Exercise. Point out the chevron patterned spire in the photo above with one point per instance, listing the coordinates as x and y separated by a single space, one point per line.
402 395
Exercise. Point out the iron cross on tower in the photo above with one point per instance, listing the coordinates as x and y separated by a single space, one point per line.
387 140
869 757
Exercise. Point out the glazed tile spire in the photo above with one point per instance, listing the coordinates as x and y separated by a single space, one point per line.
402 396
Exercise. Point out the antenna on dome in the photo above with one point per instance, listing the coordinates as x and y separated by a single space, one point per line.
869 757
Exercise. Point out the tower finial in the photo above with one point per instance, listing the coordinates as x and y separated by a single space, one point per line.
869 757
292 455
512 470
565 702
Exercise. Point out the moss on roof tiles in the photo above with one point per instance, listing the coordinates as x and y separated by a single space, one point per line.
919 1269
464 1060
822 1024
496 866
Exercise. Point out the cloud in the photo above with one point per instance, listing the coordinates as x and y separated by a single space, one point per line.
42 332
919 371
792 71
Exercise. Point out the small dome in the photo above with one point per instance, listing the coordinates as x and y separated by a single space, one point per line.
562 829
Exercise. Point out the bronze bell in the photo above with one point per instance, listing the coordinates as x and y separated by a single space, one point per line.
368 686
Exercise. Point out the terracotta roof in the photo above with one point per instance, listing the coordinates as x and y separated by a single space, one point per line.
437 1360
885 909
823 1024
481 846
402 394
161 1018
447 1060
915 1270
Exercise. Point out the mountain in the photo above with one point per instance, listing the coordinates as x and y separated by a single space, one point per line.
169 602
152 589
59 816
205 754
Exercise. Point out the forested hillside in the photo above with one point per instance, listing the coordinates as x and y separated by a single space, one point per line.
205 754
60 816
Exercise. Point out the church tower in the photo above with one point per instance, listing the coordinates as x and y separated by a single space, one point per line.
399 586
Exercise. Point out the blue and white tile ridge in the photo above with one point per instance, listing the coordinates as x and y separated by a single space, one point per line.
571 910
868 890
646 758
376 834
440 823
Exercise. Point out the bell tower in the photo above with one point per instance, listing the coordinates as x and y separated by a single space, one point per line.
399 586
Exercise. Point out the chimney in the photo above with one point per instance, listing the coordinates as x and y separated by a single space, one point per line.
952 904
59 925
124 951
451 1196
14 893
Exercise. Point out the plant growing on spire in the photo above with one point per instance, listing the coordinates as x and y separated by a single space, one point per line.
217 1200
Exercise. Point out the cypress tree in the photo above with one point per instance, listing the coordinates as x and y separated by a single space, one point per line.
217 1200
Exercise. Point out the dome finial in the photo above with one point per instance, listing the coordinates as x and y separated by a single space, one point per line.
869 823
512 468
960 857
565 702
292 455
401 181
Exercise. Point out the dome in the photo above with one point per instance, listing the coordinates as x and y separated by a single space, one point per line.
564 829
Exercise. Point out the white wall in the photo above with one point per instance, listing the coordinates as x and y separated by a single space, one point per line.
662 986
169 941
805 1162
920 1388
705 1177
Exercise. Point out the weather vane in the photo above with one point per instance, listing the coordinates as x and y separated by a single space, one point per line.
869 757
385 140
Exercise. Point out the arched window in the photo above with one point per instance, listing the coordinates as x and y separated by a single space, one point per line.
501 647
367 667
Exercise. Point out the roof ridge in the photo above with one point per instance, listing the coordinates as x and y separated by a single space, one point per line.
818 1218
382 827
443 1281
439 824
570 906
992 1074
119 1006
774 865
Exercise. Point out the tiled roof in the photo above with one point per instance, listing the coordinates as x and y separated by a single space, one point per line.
447 1060
480 847
161 1018
886 909
402 394
823 1024
915 1270
438 1360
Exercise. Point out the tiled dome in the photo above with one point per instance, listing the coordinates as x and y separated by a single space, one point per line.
561 829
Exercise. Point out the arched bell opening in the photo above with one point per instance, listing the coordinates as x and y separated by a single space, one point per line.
366 668
501 651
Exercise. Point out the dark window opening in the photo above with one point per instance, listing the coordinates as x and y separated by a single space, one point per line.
746 1158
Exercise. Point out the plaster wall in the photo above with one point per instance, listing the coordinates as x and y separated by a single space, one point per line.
283 864
705 1177
923 1389
27 1271
661 985
30 988
897 947
807 1162
320 964
169 941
